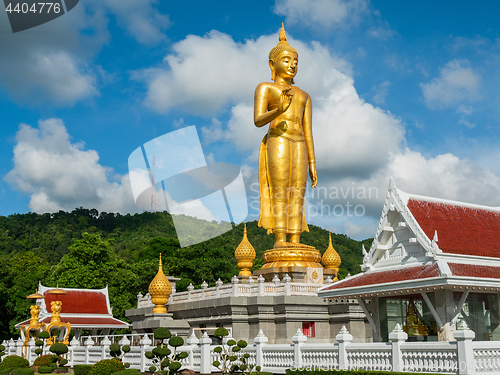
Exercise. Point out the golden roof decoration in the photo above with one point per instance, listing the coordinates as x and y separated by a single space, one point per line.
245 254
160 290
35 295
57 290
331 259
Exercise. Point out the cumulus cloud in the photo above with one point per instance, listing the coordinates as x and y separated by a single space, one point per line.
55 63
381 90
456 83
321 14
61 175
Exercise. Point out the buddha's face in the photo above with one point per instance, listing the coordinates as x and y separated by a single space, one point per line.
286 65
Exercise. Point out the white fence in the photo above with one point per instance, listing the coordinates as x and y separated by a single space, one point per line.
463 356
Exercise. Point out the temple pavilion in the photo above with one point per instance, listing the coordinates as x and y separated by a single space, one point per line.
433 263
83 309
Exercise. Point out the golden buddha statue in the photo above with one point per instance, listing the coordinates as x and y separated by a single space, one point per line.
285 158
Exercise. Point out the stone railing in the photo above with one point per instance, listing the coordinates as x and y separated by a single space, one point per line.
458 357
248 288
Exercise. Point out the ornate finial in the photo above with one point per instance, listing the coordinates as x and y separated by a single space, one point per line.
245 255
160 290
331 259
282 33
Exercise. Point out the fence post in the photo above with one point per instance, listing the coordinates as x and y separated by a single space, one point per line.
344 338
19 347
106 342
234 282
260 340
88 344
193 342
145 344
74 343
298 340
205 365
286 285
397 336
31 345
464 337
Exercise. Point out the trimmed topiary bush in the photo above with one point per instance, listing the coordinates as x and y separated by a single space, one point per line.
59 349
14 361
23 371
107 367
45 369
47 360
6 370
82 369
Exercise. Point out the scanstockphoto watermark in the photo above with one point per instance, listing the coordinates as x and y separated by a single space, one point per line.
322 201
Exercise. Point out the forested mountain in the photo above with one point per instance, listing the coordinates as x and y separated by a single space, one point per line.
88 249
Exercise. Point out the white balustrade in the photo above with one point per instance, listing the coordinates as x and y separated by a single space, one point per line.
457 357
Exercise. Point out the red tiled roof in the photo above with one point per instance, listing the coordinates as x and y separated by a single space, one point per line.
79 302
75 322
461 230
382 277
471 270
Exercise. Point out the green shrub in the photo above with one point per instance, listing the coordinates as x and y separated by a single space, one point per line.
13 361
45 369
23 371
46 360
82 369
342 372
59 349
43 335
107 367
61 370
6 370
128 372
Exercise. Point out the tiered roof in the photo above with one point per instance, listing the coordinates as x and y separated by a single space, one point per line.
424 243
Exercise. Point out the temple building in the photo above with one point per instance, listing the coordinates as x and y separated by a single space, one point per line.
83 309
433 263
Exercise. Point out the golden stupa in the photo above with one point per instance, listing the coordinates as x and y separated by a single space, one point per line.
160 290
331 259
245 255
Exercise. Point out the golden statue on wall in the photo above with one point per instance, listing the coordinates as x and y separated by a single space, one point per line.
286 157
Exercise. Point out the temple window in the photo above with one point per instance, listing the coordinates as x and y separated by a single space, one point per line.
481 313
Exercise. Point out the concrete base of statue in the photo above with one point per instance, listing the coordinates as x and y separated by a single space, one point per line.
293 256
144 320
310 275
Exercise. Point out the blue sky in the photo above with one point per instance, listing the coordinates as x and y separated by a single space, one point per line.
407 89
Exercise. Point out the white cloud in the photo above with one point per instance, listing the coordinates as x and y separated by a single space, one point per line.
465 111
456 83
140 19
381 90
61 175
321 14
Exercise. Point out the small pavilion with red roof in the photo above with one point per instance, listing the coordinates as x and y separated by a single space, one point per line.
84 309
433 263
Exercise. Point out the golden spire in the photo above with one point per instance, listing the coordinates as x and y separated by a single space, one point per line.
160 290
245 254
331 259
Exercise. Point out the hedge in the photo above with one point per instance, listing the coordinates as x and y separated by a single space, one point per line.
23 371
82 369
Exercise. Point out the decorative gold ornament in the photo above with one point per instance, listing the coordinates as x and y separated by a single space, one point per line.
331 259
34 321
55 319
286 157
160 290
57 290
245 255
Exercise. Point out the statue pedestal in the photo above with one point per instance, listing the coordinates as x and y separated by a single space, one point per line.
298 274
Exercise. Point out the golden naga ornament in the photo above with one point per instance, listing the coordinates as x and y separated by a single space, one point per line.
286 157
160 290
55 319
35 325
331 259
245 255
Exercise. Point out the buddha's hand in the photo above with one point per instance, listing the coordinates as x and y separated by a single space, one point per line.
285 99
313 174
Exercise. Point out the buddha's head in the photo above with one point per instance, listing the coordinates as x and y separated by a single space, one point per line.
283 58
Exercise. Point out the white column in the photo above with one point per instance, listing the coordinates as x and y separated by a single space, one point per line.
260 340
234 282
88 344
344 338
397 337
105 343
260 285
145 344
31 345
464 337
192 342
206 363
298 340
19 347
